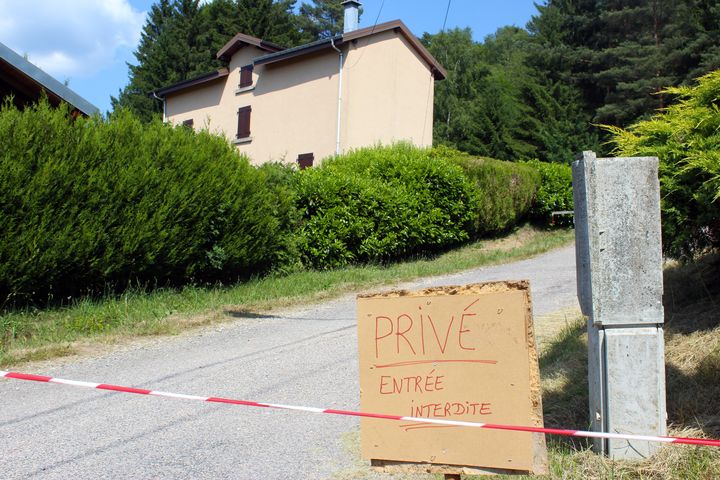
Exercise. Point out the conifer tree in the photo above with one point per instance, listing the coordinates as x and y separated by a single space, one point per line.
169 51
494 103
321 19
622 53
271 20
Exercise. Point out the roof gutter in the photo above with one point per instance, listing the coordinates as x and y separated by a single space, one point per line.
339 105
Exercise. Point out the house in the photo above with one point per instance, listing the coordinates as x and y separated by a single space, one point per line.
362 87
26 82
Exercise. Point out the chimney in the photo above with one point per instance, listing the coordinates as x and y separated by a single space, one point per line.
352 15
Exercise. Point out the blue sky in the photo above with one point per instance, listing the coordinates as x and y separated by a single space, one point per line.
89 42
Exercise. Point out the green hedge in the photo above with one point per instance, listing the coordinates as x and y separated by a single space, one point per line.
382 203
506 190
555 192
90 205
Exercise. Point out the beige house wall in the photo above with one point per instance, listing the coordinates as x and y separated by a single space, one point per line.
387 97
389 93
294 110
214 105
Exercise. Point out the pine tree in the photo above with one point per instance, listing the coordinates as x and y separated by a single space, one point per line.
134 96
321 19
622 53
168 52
707 19
271 20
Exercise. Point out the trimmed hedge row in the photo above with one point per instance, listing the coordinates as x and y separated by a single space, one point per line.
90 205
555 191
506 190
382 203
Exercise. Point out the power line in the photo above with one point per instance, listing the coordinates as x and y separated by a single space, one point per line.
378 15
447 10
362 52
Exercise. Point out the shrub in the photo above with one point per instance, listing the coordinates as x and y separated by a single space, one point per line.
555 192
382 203
505 189
88 205
686 138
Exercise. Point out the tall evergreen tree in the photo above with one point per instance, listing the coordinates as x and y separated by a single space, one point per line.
134 96
169 51
495 103
321 19
271 20
622 53
706 16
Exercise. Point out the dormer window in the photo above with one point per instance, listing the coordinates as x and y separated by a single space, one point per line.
246 79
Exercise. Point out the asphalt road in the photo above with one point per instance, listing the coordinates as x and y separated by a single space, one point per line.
301 356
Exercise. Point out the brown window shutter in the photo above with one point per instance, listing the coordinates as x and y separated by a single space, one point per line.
243 130
246 76
305 160
188 123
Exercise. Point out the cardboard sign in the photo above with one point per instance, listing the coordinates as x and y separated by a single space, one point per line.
459 353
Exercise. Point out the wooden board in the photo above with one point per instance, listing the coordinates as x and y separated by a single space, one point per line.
461 353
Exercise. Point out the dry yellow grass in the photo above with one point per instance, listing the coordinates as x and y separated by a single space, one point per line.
692 355
692 315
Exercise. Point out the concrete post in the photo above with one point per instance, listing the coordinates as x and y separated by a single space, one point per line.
619 278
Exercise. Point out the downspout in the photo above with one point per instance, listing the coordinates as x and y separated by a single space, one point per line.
164 105
339 106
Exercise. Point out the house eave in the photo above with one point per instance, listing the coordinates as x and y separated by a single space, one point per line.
191 82
40 80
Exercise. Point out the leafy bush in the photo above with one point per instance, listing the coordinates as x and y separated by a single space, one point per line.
686 138
88 205
505 189
382 203
555 192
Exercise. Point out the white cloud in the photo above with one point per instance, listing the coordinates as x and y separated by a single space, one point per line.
70 38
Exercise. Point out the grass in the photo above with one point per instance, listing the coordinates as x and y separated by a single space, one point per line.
692 362
85 323
692 352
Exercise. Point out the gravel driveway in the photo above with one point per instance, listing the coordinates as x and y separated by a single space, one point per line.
303 356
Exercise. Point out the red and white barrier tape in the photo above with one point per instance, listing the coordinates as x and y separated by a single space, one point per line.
439 421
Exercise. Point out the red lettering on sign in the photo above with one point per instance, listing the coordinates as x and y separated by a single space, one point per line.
447 333
461 331
402 334
376 333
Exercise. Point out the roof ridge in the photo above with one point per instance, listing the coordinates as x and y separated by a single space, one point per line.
438 71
